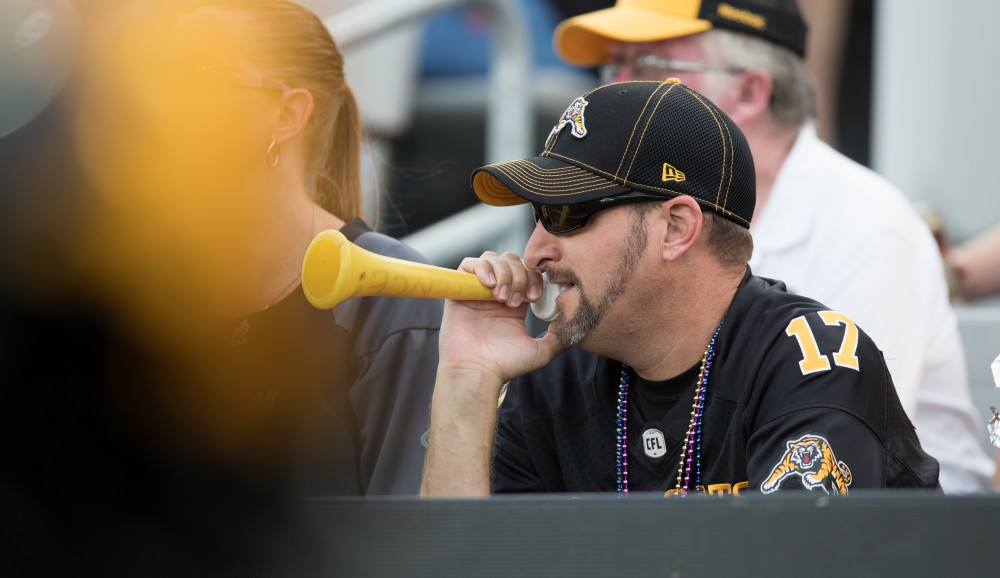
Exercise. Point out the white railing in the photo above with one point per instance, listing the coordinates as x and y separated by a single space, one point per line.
508 126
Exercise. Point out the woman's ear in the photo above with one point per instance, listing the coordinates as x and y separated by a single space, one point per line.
751 96
682 223
294 114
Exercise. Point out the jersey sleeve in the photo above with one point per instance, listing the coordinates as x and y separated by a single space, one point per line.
819 449
513 471
821 398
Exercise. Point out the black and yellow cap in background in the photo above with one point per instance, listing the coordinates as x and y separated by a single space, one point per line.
585 40
661 138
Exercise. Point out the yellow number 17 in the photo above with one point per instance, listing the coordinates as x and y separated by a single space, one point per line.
813 360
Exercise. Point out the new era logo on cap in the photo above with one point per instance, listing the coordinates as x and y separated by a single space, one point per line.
670 173
655 137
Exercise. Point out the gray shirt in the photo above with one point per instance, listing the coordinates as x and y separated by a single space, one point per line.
395 355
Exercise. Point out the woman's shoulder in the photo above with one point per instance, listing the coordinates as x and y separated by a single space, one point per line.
387 246
375 319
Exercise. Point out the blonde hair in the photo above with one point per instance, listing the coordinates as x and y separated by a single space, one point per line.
293 45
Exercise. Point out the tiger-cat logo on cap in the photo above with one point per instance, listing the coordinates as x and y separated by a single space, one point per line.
574 118
812 459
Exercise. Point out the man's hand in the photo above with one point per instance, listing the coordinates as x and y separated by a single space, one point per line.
491 337
482 345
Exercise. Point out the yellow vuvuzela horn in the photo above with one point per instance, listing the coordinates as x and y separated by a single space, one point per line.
336 269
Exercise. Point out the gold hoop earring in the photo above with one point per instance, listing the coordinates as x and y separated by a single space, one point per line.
273 154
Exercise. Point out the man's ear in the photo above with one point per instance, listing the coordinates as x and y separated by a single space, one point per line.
294 113
751 96
682 223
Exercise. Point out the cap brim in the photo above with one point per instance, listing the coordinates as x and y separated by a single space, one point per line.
585 40
544 180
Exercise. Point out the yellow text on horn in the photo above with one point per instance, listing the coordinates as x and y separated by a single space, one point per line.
336 269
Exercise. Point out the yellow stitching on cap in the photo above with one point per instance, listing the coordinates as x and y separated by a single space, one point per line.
732 165
732 153
535 173
550 142
581 179
620 82
547 187
722 177
520 175
553 170
631 136
582 175
722 210
587 94
542 189
645 128
742 16
594 169
633 185
732 159
492 187
709 204
553 193
545 193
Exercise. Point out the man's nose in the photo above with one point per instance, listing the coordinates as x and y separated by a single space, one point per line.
542 248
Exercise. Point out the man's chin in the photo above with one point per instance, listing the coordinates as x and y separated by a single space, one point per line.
568 333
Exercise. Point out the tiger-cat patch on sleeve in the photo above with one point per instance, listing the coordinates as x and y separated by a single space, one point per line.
811 458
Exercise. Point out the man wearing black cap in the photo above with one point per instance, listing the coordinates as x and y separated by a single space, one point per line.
670 368
825 225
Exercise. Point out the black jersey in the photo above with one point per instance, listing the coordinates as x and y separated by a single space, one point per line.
798 397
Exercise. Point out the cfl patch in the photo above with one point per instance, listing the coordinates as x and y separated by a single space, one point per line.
653 443
811 458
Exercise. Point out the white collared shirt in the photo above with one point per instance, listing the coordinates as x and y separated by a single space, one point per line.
837 232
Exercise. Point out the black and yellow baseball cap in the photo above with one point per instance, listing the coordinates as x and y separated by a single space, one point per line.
585 40
660 138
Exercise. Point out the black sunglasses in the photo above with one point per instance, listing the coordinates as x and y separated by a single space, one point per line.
558 219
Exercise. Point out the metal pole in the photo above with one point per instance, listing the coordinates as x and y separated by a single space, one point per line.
508 126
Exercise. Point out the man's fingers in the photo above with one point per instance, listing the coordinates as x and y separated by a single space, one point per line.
502 274
518 279
535 285
512 282
482 268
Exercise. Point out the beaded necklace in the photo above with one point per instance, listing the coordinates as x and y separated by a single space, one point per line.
691 450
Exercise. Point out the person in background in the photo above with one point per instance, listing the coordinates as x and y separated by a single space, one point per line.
224 138
825 59
828 227
165 389
824 52
977 266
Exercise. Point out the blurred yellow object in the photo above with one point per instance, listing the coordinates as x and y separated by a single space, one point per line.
335 270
